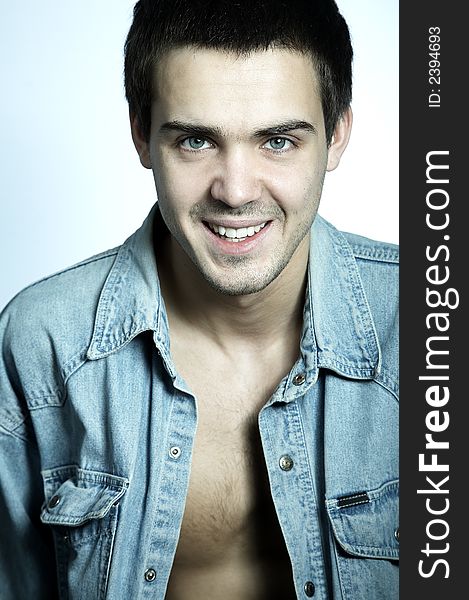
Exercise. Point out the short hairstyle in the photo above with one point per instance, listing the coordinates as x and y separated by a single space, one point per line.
312 27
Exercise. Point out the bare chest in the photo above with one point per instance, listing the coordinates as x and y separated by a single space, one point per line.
229 530
228 479
228 485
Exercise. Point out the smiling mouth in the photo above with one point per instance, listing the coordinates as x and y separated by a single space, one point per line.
231 234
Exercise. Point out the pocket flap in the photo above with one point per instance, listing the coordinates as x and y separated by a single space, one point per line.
74 496
366 523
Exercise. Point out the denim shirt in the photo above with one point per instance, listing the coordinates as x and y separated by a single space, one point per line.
97 428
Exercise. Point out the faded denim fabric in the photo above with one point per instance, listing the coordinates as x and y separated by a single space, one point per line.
97 426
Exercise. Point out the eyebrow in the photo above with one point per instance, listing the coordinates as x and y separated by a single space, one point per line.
204 131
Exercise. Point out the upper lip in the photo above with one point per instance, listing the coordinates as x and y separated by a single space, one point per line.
237 224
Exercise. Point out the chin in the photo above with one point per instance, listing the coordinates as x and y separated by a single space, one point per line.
240 290
243 286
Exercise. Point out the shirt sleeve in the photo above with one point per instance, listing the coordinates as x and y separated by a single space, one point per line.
27 557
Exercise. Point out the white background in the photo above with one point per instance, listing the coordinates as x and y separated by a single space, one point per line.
71 182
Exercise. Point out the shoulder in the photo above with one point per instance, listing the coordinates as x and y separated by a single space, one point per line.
366 249
378 265
63 295
47 327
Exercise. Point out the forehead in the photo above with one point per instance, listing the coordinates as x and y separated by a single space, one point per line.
208 84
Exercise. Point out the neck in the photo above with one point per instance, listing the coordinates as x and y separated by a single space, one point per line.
255 319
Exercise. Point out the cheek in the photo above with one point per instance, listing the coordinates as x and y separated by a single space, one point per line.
171 188
295 194
299 181
181 183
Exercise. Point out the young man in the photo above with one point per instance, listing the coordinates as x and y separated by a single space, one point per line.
210 410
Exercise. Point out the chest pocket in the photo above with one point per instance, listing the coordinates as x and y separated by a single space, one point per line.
365 531
81 506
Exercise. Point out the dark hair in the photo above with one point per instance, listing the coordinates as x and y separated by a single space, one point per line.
313 27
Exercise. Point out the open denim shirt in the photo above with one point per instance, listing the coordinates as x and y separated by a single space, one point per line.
97 426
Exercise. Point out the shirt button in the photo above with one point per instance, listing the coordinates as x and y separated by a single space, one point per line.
174 452
150 575
299 379
309 589
396 534
54 501
286 463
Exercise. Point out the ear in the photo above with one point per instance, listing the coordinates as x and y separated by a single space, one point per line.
140 143
339 140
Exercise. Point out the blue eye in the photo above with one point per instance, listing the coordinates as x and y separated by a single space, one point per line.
279 143
194 143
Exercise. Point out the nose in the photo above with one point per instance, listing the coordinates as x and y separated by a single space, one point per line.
237 180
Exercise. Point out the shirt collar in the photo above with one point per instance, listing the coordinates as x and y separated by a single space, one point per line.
131 301
338 332
340 317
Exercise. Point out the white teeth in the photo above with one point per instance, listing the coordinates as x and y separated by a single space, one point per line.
236 235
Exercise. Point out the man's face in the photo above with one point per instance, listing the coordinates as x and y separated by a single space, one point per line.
239 154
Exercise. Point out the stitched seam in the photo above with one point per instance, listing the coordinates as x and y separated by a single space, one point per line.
72 268
74 364
391 258
381 549
385 384
367 326
348 369
108 291
87 475
13 433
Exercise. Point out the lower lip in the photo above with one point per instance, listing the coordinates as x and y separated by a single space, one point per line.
236 248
